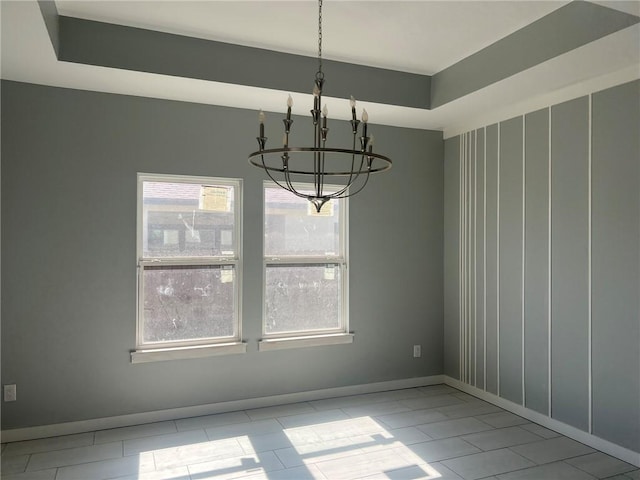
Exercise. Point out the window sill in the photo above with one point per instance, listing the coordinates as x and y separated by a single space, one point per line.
282 343
177 353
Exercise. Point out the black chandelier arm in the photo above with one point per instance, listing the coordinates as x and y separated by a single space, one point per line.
364 183
287 178
266 169
317 139
342 193
285 167
320 178
317 168
321 156
317 174
386 162
351 179
291 188
353 162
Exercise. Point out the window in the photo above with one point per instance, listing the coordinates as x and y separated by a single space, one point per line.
305 269
188 264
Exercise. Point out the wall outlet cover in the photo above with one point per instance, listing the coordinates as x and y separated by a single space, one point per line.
10 393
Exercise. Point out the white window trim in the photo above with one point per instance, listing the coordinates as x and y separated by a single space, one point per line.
319 337
148 352
281 343
192 351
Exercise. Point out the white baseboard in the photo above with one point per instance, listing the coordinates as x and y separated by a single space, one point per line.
43 431
581 436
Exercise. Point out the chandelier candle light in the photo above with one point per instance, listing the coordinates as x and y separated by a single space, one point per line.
287 165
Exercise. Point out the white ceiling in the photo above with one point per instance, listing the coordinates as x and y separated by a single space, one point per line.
416 36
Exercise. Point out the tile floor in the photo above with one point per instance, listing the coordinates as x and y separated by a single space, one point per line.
433 432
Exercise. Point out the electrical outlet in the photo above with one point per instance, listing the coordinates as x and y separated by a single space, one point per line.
10 393
417 351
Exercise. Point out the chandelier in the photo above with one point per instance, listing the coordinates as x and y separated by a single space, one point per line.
288 165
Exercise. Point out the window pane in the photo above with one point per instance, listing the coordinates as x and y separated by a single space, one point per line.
187 220
302 298
292 227
188 303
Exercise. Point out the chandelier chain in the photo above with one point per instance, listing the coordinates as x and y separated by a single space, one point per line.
319 36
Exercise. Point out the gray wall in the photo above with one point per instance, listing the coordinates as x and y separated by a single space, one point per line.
556 282
69 164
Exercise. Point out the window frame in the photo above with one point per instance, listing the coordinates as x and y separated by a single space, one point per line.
323 336
150 351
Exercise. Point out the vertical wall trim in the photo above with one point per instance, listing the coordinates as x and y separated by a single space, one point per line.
484 260
467 254
460 257
524 141
466 263
469 271
549 319
462 138
475 259
590 363
498 267
466 258
472 255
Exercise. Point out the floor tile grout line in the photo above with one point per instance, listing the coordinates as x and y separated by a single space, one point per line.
509 471
564 460
155 466
588 454
553 461
26 465
58 467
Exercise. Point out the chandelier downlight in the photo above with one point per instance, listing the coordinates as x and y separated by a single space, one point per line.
351 167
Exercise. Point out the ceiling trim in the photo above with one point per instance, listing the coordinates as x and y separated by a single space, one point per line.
128 48
102 44
50 16
29 57
563 30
